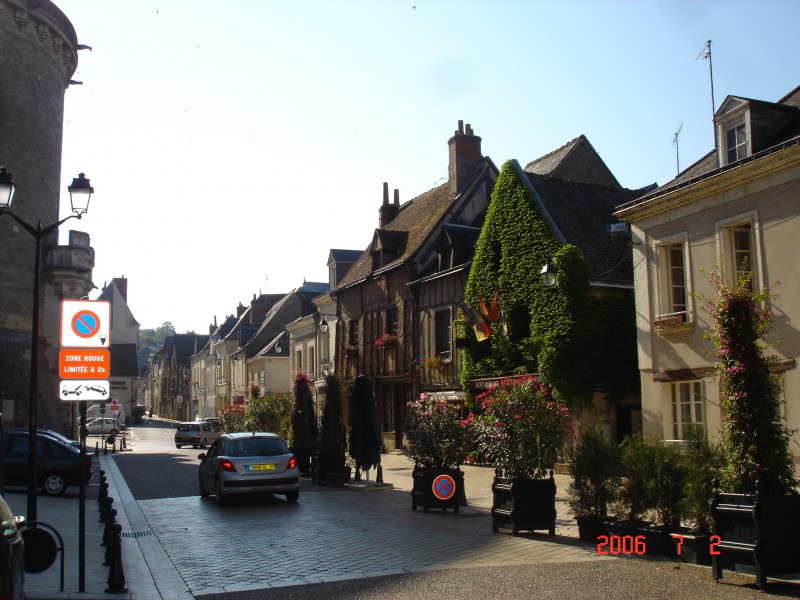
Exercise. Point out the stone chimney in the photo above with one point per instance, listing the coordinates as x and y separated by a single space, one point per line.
213 327
240 310
465 154
388 212
122 286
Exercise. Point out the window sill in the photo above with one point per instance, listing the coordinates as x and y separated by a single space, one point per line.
675 323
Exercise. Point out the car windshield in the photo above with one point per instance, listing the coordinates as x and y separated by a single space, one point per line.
257 447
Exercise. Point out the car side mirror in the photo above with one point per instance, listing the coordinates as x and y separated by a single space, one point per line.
201 456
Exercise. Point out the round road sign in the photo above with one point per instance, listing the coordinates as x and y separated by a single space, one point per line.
85 324
444 487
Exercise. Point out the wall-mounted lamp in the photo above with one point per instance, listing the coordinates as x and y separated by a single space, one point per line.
548 274
323 325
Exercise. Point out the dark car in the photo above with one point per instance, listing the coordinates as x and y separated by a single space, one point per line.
58 464
249 463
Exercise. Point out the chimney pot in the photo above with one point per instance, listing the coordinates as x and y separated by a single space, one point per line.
385 192
397 197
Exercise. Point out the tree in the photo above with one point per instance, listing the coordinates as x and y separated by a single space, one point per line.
304 422
332 435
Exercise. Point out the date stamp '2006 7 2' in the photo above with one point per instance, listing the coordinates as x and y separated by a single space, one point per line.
628 544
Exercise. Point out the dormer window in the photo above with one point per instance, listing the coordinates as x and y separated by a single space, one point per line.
736 142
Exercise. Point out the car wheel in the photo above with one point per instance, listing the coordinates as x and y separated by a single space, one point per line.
292 497
178 446
203 443
53 484
203 492
219 496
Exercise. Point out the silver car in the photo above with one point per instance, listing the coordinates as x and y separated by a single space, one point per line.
196 433
249 463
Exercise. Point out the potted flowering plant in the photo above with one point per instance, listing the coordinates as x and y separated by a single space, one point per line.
436 442
520 426
437 362
387 340
756 510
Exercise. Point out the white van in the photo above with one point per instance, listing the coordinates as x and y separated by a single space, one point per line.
93 412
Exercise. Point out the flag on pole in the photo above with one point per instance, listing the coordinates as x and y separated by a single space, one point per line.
474 319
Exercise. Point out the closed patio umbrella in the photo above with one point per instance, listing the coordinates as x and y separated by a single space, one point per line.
365 443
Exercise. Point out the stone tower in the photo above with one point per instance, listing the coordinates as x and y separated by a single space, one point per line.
38 56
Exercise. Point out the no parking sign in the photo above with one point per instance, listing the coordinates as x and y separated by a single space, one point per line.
444 487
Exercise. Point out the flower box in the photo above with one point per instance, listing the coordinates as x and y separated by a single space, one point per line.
669 321
387 340
524 504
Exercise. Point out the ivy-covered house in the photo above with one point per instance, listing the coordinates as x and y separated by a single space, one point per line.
733 211
385 317
578 334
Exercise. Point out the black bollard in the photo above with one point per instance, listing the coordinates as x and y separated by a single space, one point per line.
102 493
104 511
111 513
116 576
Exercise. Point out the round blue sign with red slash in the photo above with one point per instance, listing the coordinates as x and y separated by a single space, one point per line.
444 487
85 324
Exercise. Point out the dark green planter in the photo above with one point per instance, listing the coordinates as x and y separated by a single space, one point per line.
692 548
427 492
591 528
524 504
757 534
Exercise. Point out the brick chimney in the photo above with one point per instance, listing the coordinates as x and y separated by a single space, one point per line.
240 310
388 212
122 286
465 154
258 309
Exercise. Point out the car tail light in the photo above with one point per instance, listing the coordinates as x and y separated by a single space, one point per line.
226 465
292 463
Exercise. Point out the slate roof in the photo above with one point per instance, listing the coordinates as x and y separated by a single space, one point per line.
581 213
707 165
416 218
339 255
577 160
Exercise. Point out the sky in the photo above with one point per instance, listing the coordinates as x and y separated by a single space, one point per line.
232 144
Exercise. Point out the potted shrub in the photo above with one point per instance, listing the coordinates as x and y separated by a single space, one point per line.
330 463
756 510
436 441
701 461
630 500
304 423
520 426
595 465
664 481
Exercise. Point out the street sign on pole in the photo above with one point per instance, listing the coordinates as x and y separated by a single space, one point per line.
85 324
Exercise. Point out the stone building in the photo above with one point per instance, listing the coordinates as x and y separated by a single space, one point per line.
38 56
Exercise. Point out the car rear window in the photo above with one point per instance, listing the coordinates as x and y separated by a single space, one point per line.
256 447
188 427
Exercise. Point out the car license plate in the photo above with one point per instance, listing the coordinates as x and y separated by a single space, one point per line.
260 467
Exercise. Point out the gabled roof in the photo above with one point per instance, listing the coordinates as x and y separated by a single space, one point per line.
576 160
581 213
343 256
186 344
414 221
282 340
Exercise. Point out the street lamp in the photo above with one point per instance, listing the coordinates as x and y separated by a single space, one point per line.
80 192
548 274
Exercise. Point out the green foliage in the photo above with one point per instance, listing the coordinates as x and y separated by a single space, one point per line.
333 434
520 427
594 469
303 440
434 434
573 340
271 412
651 482
701 462
232 418
754 440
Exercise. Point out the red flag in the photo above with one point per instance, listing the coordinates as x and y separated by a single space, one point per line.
475 320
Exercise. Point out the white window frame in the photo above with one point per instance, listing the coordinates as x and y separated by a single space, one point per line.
664 305
675 423
741 147
726 250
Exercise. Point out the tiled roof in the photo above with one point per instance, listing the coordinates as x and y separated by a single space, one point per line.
582 212
416 218
576 160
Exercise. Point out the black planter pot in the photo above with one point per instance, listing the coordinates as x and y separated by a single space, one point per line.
692 548
524 504
658 542
591 528
437 487
756 534
334 478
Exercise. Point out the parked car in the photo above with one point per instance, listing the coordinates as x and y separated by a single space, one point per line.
60 437
249 463
12 555
104 425
196 434
216 424
58 464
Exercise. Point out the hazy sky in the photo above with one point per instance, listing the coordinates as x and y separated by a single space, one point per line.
229 142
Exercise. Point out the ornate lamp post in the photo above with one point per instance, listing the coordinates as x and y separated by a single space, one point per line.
80 192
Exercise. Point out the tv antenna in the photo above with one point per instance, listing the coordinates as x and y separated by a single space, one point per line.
705 53
675 143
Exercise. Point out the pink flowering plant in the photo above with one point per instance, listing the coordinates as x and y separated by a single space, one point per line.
387 340
520 426
434 435
754 440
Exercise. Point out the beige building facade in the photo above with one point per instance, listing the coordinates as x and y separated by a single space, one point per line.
737 209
